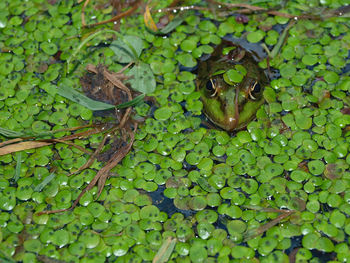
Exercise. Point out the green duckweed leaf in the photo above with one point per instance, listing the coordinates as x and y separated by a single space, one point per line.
163 113
60 237
77 248
256 36
233 76
198 253
49 48
310 60
186 60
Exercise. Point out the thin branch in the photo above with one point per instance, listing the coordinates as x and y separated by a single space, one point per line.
113 19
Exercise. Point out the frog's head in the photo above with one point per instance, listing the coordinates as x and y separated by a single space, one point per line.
230 105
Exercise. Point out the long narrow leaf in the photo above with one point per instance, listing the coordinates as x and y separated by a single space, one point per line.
18 166
165 250
47 180
174 23
81 99
5 259
281 40
11 133
17 147
133 102
84 42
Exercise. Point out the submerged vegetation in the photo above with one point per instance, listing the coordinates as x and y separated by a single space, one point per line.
105 155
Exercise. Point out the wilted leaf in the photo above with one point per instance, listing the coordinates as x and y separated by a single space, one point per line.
147 17
22 146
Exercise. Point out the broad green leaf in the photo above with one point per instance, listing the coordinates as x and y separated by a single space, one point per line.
142 78
127 49
174 23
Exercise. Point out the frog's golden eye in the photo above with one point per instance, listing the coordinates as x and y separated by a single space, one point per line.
254 90
211 87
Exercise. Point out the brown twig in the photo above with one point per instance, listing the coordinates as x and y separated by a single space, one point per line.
114 78
16 140
83 12
102 175
257 231
113 19
93 156
10 141
68 143
182 8
114 160
251 8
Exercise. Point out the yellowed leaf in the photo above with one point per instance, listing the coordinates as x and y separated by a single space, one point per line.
149 22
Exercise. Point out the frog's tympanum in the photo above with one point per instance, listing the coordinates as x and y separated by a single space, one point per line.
229 104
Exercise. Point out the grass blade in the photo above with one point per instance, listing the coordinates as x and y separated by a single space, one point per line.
10 133
165 250
18 166
133 102
47 180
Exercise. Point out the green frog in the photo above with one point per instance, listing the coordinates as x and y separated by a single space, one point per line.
230 106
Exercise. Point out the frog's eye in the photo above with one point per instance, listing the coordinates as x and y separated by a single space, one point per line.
254 90
211 87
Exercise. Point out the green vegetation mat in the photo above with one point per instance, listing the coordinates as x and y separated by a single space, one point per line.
277 191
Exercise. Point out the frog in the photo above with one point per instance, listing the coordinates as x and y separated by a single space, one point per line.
231 106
